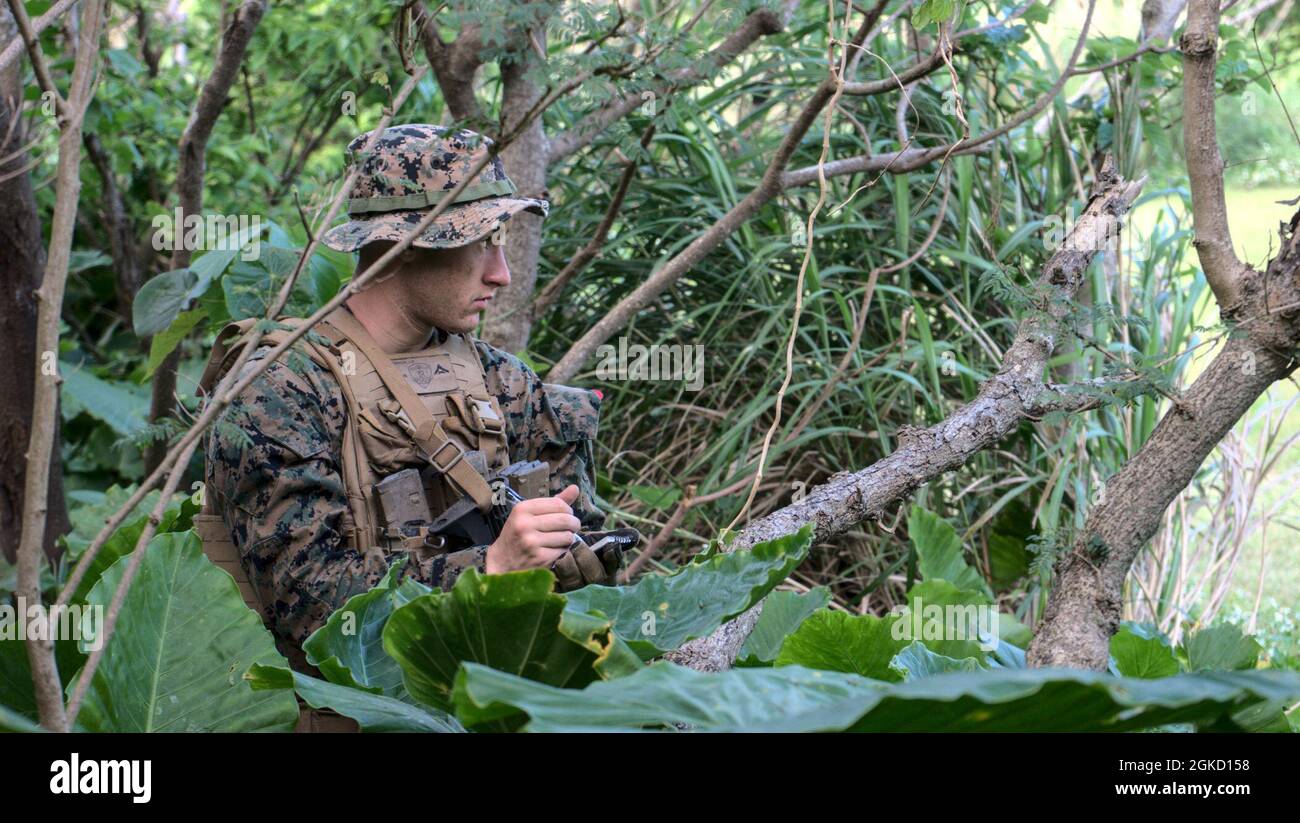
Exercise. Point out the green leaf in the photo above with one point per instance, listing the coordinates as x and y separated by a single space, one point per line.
160 300
349 648
1011 630
514 622
795 699
177 656
916 662
1008 560
373 712
1140 654
939 553
933 11
162 344
1220 648
123 406
82 260
949 618
11 721
659 613
783 613
842 642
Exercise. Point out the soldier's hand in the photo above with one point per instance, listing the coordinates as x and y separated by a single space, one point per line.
536 533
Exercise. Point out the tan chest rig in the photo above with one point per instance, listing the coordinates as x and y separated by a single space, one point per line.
428 410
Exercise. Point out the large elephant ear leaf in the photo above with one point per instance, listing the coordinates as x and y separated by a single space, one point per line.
182 643
513 622
349 648
939 552
659 613
797 699
373 712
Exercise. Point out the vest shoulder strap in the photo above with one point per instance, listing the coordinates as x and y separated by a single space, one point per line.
444 453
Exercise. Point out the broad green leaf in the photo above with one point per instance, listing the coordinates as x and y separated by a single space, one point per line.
160 300
939 553
1011 630
1008 560
123 406
163 343
177 656
947 619
734 700
842 642
659 613
12 721
176 517
1220 648
1141 655
349 648
82 260
783 613
916 661
513 622
796 699
373 712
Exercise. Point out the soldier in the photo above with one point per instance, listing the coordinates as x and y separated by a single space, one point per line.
296 464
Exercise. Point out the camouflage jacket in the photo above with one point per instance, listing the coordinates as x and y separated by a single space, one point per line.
274 474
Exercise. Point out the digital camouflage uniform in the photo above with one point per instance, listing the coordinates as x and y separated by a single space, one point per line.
273 469
273 456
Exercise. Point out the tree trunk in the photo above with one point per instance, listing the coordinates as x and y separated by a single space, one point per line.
20 276
507 324
1084 610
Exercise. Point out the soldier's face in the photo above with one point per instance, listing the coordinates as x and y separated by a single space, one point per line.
452 287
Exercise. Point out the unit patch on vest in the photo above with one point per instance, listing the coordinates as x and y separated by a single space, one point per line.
428 375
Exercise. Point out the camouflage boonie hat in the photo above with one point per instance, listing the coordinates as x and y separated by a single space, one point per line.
408 171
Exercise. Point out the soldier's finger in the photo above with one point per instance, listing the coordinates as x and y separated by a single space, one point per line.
569 495
544 505
552 540
546 557
556 522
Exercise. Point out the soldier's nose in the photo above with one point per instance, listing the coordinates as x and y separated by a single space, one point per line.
497 271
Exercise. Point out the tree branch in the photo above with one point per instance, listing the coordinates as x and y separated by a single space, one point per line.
189 183
923 454
757 24
45 423
1204 163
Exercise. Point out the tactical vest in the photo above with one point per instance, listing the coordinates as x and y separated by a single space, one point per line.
428 409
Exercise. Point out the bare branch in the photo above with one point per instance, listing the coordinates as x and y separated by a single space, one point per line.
670 272
454 65
15 48
45 675
1204 164
757 24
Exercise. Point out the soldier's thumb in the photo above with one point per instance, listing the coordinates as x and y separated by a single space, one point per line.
569 495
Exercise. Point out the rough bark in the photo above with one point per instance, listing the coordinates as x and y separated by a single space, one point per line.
507 323
1263 313
45 400
20 277
1084 610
